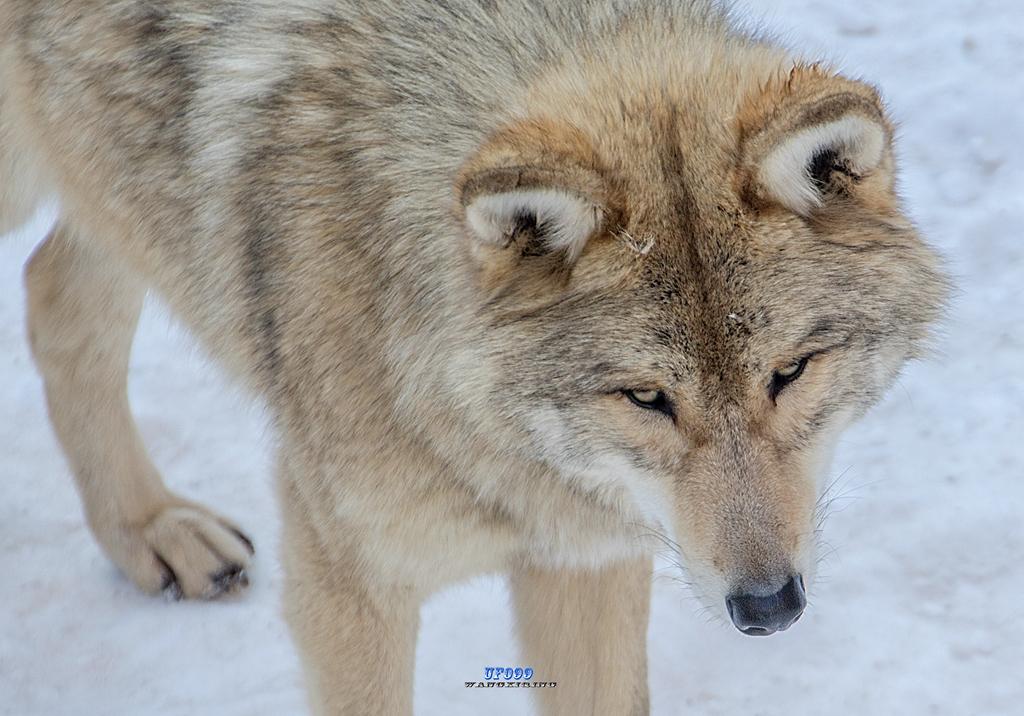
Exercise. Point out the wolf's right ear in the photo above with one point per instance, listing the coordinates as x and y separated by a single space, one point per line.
815 134
531 199
532 221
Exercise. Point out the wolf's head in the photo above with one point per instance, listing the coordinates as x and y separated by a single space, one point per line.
690 292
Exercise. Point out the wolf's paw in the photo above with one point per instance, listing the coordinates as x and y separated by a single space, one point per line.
185 551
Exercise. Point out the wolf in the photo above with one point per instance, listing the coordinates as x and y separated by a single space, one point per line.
527 287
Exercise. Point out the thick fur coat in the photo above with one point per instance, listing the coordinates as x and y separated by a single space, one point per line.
532 287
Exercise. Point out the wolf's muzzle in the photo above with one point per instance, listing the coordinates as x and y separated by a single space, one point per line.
757 615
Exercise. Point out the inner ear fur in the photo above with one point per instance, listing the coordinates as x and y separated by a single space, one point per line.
812 135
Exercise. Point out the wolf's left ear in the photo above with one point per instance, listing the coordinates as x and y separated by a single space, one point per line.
814 135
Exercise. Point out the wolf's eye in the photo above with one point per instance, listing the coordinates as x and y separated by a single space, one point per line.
784 376
649 400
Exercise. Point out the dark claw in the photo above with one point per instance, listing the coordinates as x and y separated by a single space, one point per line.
170 588
245 540
172 592
232 578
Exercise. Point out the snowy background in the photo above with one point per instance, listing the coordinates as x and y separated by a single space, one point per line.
919 611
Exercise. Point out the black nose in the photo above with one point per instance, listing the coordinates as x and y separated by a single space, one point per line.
760 616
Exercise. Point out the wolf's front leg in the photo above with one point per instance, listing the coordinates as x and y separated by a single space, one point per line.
83 308
587 631
355 634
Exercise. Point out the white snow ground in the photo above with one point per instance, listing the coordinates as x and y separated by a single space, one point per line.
920 614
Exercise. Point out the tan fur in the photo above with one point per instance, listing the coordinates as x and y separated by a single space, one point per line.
293 179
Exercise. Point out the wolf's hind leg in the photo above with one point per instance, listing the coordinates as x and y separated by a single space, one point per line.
82 313
587 631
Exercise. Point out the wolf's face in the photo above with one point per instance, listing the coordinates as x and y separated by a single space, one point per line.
685 313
